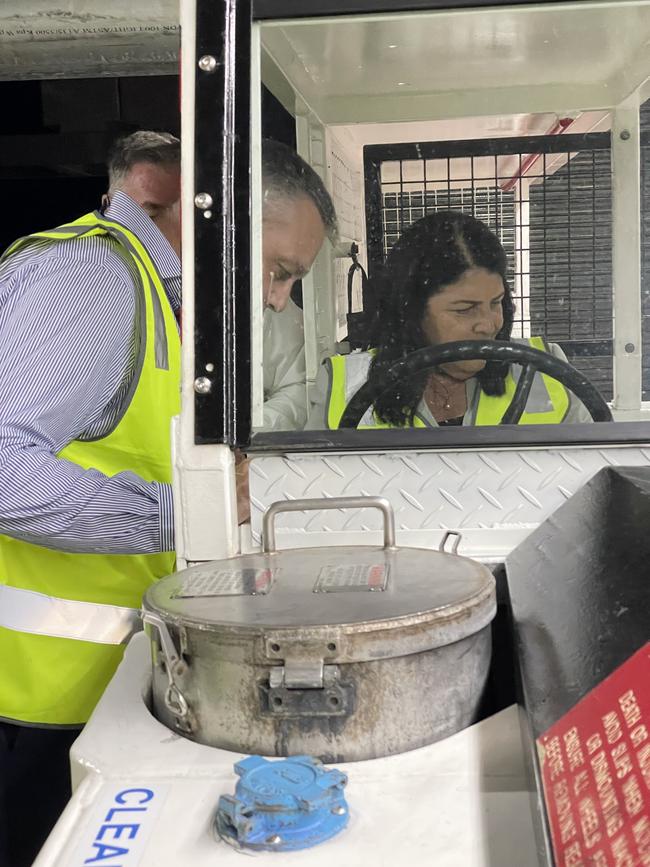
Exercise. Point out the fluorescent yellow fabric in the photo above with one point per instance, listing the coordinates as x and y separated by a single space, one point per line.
338 398
54 681
490 410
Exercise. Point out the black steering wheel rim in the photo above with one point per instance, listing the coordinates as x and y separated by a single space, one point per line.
488 350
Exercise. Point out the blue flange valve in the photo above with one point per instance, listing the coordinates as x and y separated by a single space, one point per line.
282 805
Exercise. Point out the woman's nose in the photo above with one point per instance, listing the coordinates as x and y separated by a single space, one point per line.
485 324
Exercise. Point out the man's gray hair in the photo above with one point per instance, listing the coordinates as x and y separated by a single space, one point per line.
144 146
286 175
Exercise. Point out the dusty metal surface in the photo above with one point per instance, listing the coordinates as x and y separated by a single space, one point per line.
382 707
580 592
347 653
87 38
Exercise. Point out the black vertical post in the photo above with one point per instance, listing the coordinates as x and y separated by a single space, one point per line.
222 222
374 213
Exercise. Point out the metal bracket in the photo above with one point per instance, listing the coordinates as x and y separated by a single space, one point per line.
331 698
172 665
454 545
299 674
304 660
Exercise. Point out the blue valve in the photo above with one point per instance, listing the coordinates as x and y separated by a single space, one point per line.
283 805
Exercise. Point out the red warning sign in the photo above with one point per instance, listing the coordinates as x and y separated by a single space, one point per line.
595 765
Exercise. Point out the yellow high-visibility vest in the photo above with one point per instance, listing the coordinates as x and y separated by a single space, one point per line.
64 616
548 402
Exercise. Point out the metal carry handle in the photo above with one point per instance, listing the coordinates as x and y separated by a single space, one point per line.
308 505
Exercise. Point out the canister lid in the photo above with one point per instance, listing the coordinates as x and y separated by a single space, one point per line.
283 805
361 597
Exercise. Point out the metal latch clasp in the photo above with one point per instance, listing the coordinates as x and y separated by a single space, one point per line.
299 674
304 659
331 697
305 680
175 701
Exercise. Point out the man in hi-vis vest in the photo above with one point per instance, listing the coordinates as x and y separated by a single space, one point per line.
89 380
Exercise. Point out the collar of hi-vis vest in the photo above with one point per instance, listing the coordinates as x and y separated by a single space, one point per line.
132 247
125 211
145 265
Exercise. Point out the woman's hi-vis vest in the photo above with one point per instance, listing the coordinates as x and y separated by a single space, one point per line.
64 618
548 402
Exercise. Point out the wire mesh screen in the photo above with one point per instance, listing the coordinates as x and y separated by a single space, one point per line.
570 285
548 200
492 206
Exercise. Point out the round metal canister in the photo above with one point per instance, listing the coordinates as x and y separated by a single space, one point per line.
345 653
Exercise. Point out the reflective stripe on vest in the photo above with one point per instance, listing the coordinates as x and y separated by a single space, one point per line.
65 616
28 611
548 401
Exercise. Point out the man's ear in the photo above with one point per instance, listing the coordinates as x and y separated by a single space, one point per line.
106 200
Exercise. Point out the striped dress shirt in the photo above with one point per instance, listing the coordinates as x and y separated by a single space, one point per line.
68 345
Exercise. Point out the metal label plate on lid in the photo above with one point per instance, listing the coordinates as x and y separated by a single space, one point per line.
354 577
226 582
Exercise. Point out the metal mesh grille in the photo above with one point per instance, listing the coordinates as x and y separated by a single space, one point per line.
493 207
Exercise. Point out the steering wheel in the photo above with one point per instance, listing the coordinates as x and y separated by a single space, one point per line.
532 361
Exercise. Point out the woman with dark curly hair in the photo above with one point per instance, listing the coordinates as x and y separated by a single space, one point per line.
444 280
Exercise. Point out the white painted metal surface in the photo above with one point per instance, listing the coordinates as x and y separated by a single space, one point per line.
462 801
205 508
495 497
465 62
626 256
318 287
257 277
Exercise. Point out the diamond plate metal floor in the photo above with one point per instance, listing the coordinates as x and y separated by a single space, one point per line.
429 491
